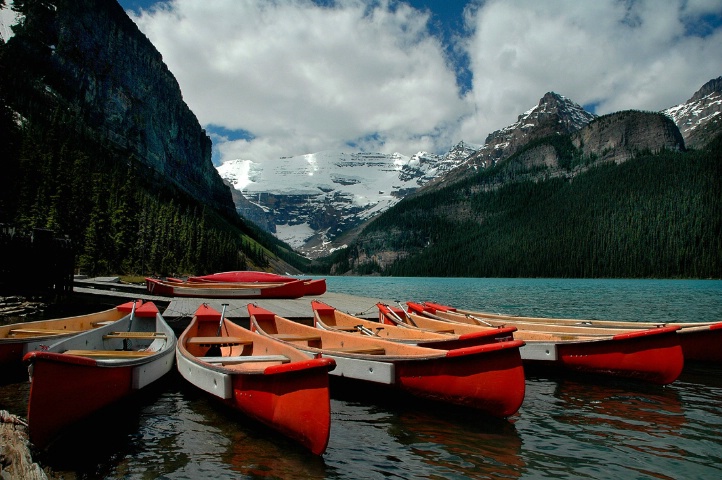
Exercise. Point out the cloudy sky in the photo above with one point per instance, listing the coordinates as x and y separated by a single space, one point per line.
289 77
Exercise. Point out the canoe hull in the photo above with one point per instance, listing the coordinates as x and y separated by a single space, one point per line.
489 377
242 276
293 289
81 375
651 355
700 341
13 348
654 360
493 384
64 393
297 404
311 286
292 398
702 345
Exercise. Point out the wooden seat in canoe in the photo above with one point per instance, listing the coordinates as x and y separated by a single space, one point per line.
102 323
41 331
346 329
220 341
109 353
135 335
245 359
366 350
292 337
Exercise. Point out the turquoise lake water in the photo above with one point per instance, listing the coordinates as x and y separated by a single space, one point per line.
566 428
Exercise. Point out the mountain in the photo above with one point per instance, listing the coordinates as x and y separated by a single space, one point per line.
619 196
554 114
317 202
700 117
95 62
309 201
98 145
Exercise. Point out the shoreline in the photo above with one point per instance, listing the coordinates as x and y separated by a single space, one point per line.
16 460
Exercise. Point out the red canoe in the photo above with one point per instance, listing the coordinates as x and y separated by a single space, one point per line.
489 378
701 341
265 379
175 288
313 286
652 355
80 375
444 338
20 338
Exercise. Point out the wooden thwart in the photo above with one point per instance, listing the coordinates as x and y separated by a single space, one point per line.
102 323
41 331
135 335
246 359
222 341
292 337
367 350
109 353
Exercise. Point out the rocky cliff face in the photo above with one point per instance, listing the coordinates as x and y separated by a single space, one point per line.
97 63
619 136
554 114
700 118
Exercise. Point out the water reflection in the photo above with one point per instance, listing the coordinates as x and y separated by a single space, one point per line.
14 397
603 430
565 429
458 444
390 433
599 407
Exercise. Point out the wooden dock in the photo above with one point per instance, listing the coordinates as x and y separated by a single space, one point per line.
298 309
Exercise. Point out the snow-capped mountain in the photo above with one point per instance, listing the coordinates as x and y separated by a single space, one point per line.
313 199
553 114
700 117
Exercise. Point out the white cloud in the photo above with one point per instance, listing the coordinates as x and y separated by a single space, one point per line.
303 78
616 55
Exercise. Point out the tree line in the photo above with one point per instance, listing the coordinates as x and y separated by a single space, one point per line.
653 216
122 216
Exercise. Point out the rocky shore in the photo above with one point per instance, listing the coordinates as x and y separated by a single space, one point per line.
16 462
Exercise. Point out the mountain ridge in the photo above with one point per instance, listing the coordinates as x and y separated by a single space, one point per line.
554 114
608 208
309 200
701 116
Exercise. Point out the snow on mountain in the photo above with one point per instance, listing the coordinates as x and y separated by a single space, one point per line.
700 117
312 199
553 114
8 18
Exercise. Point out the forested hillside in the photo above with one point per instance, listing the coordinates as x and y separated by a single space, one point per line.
122 216
127 176
651 216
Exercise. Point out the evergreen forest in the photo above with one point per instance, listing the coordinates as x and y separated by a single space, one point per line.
122 216
654 216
